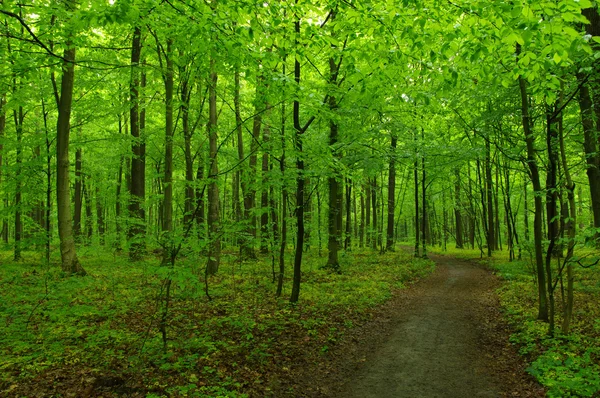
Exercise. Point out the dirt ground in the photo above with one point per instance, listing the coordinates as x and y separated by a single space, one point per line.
442 337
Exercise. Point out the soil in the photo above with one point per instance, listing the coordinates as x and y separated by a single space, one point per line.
442 337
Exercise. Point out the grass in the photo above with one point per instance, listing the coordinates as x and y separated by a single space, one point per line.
64 335
568 365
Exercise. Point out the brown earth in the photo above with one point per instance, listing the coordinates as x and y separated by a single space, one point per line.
442 337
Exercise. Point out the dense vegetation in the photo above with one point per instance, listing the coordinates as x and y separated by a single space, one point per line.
167 164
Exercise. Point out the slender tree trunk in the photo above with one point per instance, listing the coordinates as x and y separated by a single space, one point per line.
551 208
374 238
571 231
4 228
264 196
189 203
168 177
491 230
348 238
361 233
389 245
214 227
99 216
19 117
417 221
457 213
368 231
70 262
300 179
590 147
136 230
424 218
284 196
78 194
537 188
87 196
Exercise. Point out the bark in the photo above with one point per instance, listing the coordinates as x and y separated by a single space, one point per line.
78 194
168 177
284 199
264 196
348 237
246 248
538 205
184 107
118 195
70 262
136 230
457 210
214 227
87 196
590 147
551 207
571 231
491 230
19 117
391 202
100 216
417 223
300 179
374 238
424 218
361 232
368 231
4 230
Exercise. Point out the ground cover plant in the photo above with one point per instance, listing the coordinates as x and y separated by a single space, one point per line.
100 333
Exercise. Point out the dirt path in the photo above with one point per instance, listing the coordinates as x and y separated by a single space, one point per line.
443 337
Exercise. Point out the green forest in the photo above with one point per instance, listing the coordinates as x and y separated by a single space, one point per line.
212 198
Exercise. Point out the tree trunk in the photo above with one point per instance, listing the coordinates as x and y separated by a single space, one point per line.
537 188
368 231
571 231
551 208
99 216
491 230
457 213
214 227
70 262
424 218
4 228
87 196
348 237
284 198
417 221
374 237
189 203
389 244
78 194
168 178
136 230
590 147
264 196
19 117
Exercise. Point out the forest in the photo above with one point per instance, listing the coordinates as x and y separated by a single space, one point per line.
211 198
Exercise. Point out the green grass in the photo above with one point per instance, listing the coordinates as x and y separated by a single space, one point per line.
107 322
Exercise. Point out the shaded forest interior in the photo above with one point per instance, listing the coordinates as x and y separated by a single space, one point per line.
261 168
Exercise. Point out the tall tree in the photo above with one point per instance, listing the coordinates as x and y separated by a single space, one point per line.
70 261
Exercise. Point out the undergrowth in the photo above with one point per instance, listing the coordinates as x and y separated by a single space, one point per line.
77 335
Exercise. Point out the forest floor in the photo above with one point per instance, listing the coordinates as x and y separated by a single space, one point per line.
443 337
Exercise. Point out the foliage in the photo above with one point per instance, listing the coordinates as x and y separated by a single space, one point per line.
239 342
569 366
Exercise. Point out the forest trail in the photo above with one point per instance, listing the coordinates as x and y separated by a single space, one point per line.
442 337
